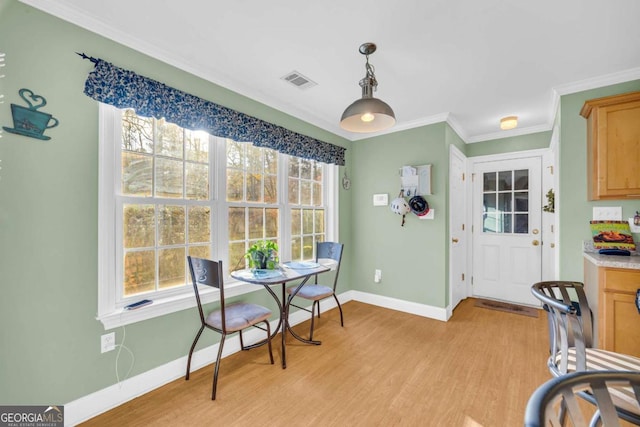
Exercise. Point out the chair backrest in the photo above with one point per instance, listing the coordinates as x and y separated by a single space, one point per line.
330 250
606 389
209 273
570 321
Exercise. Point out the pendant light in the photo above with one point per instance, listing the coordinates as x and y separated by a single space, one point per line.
368 114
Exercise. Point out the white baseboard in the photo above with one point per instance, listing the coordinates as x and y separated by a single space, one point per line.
108 398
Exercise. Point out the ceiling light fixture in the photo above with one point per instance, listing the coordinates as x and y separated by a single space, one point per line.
368 114
509 122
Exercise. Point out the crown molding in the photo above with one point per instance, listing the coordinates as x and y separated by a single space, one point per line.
600 81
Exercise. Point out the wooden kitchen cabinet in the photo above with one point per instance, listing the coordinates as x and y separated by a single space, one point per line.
613 146
618 317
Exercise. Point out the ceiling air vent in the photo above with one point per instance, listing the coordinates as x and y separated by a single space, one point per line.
298 80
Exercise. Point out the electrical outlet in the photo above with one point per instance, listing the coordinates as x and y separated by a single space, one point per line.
108 342
377 276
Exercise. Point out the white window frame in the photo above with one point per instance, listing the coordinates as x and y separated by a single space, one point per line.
109 312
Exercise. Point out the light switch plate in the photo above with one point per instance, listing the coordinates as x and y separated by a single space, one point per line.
380 199
607 213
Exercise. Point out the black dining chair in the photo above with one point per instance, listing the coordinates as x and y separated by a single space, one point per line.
571 337
315 291
227 319
556 400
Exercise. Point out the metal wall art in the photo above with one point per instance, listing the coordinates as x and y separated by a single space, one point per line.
28 121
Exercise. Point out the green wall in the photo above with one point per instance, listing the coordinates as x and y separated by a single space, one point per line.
573 208
531 141
413 258
50 351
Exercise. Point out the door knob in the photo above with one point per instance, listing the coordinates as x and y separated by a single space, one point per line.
535 243
535 231
454 240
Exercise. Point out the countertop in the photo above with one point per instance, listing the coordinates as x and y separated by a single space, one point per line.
631 262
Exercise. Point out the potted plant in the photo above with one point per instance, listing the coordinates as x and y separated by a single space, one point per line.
263 254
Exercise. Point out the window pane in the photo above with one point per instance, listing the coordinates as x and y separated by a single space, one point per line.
171 225
521 178
138 223
256 223
197 181
139 272
307 247
317 171
504 181
294 167
200 252
235 185
294 191
236 224
170 140
307 221
271 189
255 159
237 260
507 220
489 201
521 223
137 176
137 133
254 187
168 178
270 162
317 194
489 181
504 202
296 249
305 193
172 267
296 222
490 222
235 157
196 146
271 226
199 224
522 202
319 223
305 169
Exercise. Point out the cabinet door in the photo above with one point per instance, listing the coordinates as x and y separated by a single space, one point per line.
617 146
621 318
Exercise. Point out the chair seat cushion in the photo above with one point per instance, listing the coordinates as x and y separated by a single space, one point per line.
603 360
312 292
238 316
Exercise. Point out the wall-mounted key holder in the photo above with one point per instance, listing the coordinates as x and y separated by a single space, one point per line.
416 180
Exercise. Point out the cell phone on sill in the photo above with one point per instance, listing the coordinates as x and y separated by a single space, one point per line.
138 304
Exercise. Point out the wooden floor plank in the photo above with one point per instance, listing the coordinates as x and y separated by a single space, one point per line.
384 368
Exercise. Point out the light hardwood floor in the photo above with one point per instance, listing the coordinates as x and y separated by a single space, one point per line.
384 368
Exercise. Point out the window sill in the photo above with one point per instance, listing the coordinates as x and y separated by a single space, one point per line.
160 307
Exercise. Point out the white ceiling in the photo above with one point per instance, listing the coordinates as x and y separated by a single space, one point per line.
469 62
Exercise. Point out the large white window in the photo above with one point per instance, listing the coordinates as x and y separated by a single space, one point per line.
167 192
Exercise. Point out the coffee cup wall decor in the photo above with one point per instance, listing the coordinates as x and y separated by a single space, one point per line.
28 121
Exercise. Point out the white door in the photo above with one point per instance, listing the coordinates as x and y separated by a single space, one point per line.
457 229
507 250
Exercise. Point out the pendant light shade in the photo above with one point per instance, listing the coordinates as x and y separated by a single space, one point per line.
368 114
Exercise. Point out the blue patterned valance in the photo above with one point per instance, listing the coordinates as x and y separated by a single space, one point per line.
126 89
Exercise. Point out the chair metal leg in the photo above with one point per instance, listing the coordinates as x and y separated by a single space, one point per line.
241 341
193 346
313 311
339 308
215 372
269 340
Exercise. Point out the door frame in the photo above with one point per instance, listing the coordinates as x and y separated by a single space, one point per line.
455 151
546 269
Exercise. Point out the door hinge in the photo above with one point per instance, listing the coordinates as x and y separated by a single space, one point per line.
471 280
462 227
463 277
463 176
